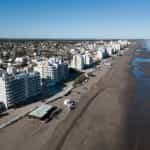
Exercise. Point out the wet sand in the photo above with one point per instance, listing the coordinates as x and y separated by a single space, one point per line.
139 110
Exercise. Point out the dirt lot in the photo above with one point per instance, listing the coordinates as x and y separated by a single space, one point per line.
97 123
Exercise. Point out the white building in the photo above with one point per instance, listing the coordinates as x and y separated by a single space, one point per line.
101 48
10 69
52 71
99 55
55 60
116 46
42 68
16 89
77 62
1 61
19 60
12 90
109 51
92 46
53 74
123 43
87 59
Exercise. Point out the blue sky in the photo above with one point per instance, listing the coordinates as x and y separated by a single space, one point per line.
74 18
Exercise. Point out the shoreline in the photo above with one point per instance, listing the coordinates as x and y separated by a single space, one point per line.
69 126
55 134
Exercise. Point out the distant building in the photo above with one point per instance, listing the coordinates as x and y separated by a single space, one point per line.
77 62
116 46
123 43
99 55
87 59
109 51
19 60
10 69
80 61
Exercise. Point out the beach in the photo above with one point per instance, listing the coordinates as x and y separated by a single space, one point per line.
99 122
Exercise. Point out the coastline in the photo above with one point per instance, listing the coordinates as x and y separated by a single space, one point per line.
108 99
97 96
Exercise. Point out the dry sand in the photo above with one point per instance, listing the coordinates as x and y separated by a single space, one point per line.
100 122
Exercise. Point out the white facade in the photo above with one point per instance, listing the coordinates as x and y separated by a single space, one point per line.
102 49
99 55
123 43
10 69
42 68
55 60
109 51
77 62
19 60
92 46
53 70
16 89
58 70
116 47
12 90
3 95
87 59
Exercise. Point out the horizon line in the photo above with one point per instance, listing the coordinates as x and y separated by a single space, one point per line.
74 39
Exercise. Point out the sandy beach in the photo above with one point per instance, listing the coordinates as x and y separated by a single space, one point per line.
99 122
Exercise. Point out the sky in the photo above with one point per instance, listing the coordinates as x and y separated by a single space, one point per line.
75 19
